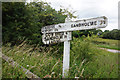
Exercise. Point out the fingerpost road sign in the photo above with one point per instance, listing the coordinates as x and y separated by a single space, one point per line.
62 33
93 23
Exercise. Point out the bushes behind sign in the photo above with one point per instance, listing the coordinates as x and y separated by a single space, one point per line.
24 21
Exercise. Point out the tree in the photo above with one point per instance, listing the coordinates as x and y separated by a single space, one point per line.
106 31
24 21
114 34
87 32
12 20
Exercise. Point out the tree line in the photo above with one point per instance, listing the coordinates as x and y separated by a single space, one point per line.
23 21
113 34
107 34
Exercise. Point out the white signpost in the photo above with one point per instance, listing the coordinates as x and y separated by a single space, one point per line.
51 38
62 33
93 23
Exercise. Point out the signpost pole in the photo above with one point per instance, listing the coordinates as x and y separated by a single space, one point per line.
66 56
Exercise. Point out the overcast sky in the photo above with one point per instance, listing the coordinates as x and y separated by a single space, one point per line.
91 8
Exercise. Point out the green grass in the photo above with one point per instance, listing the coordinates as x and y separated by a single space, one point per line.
103 65
40 63
0 66
9 72
107 43
86 60
108 47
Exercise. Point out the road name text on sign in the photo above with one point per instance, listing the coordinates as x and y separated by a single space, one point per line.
51 38
93 23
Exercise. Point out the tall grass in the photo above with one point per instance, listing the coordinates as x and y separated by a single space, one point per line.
9 72
86 60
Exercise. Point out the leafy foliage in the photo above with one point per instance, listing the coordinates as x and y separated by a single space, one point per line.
87 32
114 34
13 21
24 21
82 47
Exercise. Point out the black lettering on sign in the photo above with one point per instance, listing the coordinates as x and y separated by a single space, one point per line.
51 38
48 28
79 24
95 22
56 29
91 23
82 24
74 25
65 36
85 24
61 35
71 25
102 22
60 26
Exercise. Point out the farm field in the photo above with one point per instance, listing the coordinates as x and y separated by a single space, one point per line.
107 43
86 61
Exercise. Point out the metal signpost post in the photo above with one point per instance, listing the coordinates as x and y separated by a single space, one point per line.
62 33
